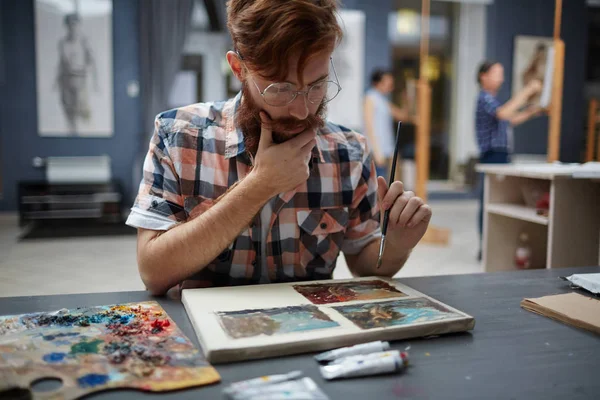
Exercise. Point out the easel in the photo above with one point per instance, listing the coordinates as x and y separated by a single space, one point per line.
433 235
593 121
555 109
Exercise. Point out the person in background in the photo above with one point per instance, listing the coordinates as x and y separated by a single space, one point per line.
494 121
380 114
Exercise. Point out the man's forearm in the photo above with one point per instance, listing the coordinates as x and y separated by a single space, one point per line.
365 262
177 254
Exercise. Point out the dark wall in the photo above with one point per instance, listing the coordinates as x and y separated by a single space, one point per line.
377 46
509 18
19 140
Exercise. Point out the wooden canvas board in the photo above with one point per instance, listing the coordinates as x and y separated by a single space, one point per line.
533 58
128 346
261 321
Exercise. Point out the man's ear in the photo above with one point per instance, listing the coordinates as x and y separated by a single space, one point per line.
236 65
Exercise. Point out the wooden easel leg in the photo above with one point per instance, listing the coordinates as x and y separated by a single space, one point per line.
556 104
591 136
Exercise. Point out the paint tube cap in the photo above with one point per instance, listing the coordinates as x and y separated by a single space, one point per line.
404 357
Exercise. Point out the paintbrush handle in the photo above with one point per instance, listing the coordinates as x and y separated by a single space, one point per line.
386 215
386 218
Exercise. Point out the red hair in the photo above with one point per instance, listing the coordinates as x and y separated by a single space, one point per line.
268 33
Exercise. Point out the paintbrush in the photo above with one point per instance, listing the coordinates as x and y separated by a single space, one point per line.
386 214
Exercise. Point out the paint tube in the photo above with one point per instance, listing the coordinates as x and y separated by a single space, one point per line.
374 366
261 381
299 389
372 356
364 348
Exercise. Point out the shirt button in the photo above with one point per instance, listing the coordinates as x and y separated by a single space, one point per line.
323 225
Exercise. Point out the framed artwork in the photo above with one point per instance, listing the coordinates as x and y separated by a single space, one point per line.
349 61
259 321
74 68
533 59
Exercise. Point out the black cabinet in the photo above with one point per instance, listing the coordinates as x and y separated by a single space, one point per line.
97 203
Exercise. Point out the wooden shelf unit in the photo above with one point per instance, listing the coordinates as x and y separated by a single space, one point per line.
569 236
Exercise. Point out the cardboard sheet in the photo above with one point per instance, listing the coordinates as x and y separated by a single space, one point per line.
571 308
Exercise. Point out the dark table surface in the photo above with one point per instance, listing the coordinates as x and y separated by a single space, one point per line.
511 353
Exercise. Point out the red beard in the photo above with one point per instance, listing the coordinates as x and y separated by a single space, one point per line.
247 119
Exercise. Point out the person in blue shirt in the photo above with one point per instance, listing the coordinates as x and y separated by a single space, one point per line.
379 114
494 121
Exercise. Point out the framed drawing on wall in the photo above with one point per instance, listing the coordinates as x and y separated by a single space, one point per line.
74 68
533 59
349 60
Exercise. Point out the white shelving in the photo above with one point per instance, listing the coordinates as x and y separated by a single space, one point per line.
517 211
568 237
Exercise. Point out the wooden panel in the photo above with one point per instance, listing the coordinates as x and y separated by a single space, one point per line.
574 223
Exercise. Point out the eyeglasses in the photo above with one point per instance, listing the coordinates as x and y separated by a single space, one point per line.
283 93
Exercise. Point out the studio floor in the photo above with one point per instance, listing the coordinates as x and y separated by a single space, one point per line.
108 264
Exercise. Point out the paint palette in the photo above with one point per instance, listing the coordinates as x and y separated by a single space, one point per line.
134 346
246 322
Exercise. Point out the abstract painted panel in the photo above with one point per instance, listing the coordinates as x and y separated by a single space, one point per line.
274 321
395 313
326 293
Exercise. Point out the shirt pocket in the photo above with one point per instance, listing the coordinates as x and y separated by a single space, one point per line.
322 233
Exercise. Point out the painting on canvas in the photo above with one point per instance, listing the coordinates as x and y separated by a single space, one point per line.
334 292
274 321
533 59
260 321
395 313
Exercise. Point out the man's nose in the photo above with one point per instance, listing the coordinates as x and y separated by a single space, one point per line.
299 108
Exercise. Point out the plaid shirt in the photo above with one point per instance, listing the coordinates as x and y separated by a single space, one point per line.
492 133
197 153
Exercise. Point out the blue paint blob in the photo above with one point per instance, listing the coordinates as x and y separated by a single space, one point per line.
91 380
50 338
54 357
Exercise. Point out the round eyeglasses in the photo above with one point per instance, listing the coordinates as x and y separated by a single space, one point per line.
283 93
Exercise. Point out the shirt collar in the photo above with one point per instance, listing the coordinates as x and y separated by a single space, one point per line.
234 137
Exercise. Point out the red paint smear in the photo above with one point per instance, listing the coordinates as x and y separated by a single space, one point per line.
161 324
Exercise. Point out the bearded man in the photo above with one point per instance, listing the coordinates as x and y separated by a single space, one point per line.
262 188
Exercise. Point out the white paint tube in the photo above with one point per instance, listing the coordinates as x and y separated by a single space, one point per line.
364 348
258 382
372 356
299 389
374 366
